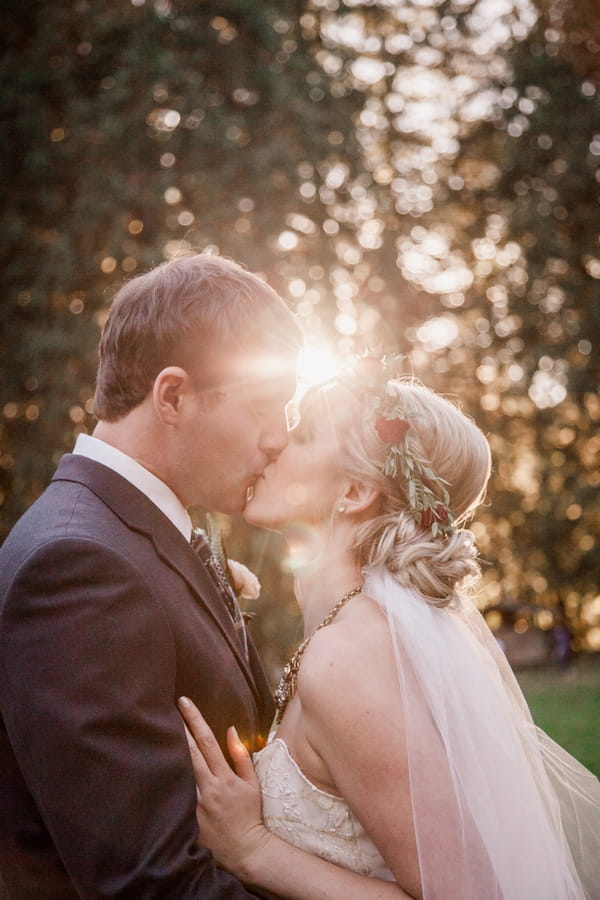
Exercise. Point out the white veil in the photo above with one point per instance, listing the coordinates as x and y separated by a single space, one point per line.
501 812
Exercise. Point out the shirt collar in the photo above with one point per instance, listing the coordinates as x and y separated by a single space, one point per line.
156 490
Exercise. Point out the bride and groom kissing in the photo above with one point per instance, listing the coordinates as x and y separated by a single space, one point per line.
403 760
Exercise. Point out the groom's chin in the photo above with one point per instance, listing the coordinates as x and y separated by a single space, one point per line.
229 506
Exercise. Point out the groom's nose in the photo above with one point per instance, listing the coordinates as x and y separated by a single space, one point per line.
274 437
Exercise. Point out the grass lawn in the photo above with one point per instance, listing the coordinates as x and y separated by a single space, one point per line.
566 704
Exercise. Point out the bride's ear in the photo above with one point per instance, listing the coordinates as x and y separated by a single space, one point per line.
357 498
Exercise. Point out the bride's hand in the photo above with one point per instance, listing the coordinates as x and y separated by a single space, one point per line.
228 808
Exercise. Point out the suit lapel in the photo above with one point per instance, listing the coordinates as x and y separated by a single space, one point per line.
139 514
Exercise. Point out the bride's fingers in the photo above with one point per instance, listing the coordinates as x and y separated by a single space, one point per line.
242 761
199 765
203 740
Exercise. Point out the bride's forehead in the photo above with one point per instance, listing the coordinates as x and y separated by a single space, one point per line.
324 406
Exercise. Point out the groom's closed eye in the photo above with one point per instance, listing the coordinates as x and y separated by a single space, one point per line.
265 400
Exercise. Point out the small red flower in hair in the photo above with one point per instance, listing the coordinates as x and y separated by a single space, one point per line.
391 431
431 514
427 517
441 513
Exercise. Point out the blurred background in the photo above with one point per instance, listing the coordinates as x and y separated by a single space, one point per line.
413 176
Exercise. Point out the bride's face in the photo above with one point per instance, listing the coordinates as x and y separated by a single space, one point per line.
305 481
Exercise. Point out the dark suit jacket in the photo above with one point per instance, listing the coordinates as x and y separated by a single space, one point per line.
107 616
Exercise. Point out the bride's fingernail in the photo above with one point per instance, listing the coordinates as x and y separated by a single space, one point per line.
184 702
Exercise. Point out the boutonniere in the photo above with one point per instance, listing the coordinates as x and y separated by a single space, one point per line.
245 582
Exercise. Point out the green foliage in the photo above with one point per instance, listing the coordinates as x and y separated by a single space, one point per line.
566 705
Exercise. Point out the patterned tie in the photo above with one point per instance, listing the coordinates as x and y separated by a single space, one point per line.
201 546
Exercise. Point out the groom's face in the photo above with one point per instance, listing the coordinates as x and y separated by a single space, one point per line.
238 426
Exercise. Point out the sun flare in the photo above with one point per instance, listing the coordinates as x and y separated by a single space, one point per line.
316 363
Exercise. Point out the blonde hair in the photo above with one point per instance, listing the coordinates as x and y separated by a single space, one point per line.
439 568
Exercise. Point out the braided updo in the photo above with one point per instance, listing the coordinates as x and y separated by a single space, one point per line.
457 452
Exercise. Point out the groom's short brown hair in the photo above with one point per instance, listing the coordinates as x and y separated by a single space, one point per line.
176 314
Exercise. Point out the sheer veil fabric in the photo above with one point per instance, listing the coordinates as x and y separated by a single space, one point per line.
501 812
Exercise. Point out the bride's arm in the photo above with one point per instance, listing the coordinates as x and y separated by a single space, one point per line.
229 817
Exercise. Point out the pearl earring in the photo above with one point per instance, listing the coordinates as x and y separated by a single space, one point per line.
341 508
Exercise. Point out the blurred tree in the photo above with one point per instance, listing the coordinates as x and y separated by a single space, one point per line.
415 175
543 403
480 134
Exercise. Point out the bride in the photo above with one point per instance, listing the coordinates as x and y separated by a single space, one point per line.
403 761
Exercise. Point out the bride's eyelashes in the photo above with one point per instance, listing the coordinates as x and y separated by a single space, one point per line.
297 434
302 433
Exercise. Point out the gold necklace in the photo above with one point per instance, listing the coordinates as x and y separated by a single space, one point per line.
287 686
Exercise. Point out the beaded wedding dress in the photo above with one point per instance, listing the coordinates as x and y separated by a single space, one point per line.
500 811
304 815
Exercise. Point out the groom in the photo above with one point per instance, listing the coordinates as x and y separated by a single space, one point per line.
107 615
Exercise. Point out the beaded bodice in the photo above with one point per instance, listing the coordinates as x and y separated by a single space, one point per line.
304 815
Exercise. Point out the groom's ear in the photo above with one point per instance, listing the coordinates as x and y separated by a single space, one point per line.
359 497
170 386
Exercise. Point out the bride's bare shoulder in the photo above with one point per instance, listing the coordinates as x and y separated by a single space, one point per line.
354 656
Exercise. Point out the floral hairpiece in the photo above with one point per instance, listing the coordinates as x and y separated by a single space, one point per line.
428 498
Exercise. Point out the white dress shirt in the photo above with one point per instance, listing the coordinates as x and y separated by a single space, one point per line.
156 490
